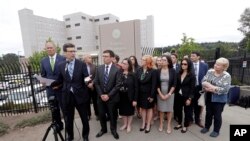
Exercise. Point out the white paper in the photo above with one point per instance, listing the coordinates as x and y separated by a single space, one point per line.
46 81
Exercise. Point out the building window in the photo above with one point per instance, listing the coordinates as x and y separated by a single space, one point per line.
91 20
67 19
68 26
96 20
79 48
117 21
106 18
97 47
69 38
96 37
78 37
83 17
77 24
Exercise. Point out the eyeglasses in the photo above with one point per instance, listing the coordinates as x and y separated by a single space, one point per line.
184 64
72 51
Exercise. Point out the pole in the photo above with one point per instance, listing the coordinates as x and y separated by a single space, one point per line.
243 67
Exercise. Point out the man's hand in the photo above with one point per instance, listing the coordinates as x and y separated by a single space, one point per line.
134 103
91 86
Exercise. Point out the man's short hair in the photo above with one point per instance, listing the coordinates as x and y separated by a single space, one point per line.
196 53
111 53
117 58
68 45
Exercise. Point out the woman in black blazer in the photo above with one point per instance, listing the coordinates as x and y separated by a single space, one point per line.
184 93
147 82
128 94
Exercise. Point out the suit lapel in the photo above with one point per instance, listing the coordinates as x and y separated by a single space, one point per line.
111 72
76 66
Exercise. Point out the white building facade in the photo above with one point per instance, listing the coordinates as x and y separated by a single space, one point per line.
77 28
36 30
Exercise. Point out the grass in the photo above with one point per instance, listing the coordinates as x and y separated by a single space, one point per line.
3 128
34 120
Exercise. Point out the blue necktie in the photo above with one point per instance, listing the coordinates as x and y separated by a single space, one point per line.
106 75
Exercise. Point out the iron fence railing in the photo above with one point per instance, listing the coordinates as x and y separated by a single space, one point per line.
20 91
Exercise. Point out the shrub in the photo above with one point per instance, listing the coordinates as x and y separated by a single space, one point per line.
34 120
3 128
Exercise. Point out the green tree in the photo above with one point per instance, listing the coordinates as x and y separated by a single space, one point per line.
187 46
10 64
245 28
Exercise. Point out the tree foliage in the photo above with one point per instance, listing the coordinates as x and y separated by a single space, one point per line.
36 58
245 28
187 46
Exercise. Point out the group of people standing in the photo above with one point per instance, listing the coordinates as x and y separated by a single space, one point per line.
160 85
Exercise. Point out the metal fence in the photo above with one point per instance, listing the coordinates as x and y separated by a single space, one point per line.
20 91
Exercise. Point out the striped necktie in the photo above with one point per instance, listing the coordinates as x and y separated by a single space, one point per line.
106 75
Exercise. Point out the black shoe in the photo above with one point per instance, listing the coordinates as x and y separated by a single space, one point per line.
86 139
177 127
100 134
142 129
59 127
115 134
147 131
184 130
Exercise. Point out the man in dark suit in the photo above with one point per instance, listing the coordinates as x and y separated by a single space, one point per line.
91 89
200 70
49 69
72 76
176 66
107 83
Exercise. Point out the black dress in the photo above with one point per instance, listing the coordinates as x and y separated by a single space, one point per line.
128 94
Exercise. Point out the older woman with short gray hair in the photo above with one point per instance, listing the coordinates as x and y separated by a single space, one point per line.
216 84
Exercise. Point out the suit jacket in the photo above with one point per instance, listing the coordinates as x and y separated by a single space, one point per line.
178 67
187 86
148 84
113 84
203 68
172 78
76 83
46 70
92 70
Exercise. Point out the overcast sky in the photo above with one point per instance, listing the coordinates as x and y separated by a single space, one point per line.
204 20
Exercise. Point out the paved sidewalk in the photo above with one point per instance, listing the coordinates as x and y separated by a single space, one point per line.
231 115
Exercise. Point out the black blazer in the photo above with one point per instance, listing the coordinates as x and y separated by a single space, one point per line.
113 84
148 84
131 84
77 82
172 78
187 86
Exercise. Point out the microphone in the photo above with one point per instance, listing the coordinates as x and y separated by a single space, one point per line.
66 66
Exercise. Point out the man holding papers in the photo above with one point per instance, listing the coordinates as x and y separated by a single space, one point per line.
49 70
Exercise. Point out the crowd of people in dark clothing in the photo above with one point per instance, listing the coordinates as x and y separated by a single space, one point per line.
161 88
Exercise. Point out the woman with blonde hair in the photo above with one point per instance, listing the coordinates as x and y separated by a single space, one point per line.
216 84
147 82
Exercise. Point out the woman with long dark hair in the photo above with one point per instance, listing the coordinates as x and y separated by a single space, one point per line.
128 94
185 93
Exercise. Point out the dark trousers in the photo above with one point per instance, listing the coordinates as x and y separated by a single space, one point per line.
187 110
214 111
57 105
69 110
110 108
93 97
195 107
176 102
